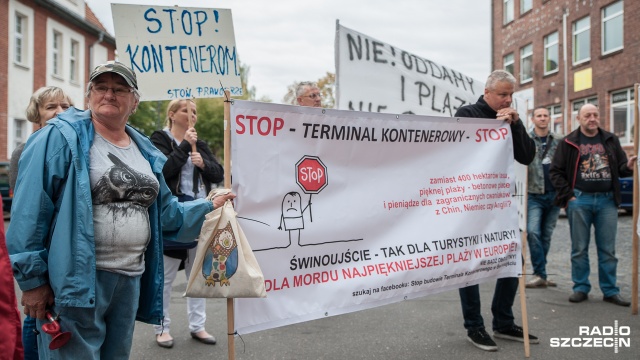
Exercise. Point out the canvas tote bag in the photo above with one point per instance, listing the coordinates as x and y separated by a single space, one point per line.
225 266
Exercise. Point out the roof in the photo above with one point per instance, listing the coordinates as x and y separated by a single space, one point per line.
89 22
91 17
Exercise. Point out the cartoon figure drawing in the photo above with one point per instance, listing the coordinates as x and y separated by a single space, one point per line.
293 214
221 259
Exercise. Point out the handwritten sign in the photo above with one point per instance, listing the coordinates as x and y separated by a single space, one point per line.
412 205
178 52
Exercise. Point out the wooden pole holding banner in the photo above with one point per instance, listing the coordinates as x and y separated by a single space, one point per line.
523 237
191 123
523 295
522 281
634 256
227 185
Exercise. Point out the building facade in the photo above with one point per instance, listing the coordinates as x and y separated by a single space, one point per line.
45 43
565 53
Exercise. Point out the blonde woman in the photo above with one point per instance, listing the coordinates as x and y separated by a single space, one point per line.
190 175
45 104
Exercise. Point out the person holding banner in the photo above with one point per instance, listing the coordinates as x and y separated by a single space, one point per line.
496 104
189 175
308 94
542 214
91 210
586 171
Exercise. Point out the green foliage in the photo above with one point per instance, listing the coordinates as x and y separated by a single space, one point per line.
149 116
210 125
326 84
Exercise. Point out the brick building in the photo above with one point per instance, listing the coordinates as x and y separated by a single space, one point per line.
45 43
564 53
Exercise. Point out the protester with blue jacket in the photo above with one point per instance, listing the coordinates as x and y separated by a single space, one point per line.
90 211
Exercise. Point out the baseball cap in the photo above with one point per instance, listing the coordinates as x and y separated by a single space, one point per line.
118 68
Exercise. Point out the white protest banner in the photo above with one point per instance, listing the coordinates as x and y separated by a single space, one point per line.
350 210
176 52
378 77
375 76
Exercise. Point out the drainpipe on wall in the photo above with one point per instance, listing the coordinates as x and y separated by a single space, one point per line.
492 38
91 50
566 72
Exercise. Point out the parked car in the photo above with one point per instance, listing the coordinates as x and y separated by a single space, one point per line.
626 193
7 193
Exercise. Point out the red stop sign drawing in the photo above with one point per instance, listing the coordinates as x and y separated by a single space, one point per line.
311 174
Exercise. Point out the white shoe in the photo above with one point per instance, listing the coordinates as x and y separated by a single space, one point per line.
536 282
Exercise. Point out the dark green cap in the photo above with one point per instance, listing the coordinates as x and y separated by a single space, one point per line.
118 68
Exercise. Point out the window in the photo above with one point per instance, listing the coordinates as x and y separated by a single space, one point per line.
508 63
508 11
20 38
556 119
612 28
73 61
581 40
56 53
622 104
525 5
526 57
577 104
551 53
20 132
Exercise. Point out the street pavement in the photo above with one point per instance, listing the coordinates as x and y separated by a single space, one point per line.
429 327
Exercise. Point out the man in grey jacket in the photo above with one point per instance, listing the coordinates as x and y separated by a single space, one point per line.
542 214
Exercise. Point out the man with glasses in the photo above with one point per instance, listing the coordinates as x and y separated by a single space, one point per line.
308 94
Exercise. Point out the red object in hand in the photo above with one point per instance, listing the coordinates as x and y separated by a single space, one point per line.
59 339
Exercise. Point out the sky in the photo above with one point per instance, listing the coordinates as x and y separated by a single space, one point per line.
286 41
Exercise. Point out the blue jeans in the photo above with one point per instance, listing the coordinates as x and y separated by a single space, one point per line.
29 339
542 217
599 210
503 297
102 332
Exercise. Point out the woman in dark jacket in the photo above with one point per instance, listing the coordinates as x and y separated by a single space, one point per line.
190 171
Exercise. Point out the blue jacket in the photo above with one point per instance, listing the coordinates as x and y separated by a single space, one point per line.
50 237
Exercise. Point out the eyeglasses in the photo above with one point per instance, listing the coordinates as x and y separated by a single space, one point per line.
314 96
118 91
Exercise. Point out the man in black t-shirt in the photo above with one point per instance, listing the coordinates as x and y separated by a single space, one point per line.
585 172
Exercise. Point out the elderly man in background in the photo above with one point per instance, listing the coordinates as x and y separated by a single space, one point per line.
586 171
90 213
308 94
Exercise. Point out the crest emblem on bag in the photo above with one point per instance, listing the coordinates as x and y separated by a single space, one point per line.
221 258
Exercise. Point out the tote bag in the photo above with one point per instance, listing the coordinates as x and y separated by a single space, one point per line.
225 266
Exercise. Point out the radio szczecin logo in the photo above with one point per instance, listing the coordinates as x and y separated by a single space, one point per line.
597 337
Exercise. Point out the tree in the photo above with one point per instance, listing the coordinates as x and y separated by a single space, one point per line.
149 116
326 85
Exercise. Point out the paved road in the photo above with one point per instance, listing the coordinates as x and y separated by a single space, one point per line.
426 328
